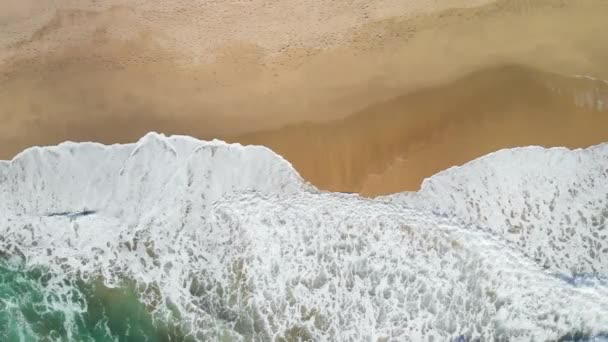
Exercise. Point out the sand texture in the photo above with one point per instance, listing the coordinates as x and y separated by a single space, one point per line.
361 96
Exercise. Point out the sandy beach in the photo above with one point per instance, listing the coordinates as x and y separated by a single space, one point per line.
363 96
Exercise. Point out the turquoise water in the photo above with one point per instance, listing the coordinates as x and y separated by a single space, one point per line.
29 311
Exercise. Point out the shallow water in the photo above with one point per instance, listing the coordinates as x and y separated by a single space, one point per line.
392 146
84 311
210 241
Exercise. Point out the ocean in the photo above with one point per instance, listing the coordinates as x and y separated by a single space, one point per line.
177 239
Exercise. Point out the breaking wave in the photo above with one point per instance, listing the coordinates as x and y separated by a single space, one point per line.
179 239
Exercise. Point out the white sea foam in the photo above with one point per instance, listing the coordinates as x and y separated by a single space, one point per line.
232 241
551 204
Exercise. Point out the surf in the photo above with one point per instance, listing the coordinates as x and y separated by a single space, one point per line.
199 240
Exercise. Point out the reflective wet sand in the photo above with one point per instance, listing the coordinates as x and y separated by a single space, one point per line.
393 145
364 97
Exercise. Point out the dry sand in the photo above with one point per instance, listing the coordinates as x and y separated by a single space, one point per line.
362 96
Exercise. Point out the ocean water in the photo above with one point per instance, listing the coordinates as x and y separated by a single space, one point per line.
176 239
86 311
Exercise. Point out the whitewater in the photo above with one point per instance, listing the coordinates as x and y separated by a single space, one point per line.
173 238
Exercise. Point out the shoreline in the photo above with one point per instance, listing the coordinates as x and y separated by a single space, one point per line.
123 76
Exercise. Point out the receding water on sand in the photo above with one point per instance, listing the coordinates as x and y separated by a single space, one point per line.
392 146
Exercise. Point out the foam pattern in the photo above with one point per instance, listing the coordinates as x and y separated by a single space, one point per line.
552 204
231 243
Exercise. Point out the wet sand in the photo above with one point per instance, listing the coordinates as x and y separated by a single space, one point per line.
366 97
393 145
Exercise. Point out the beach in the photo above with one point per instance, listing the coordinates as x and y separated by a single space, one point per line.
368 97
232 170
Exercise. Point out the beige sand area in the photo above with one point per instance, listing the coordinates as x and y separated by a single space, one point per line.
361 96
